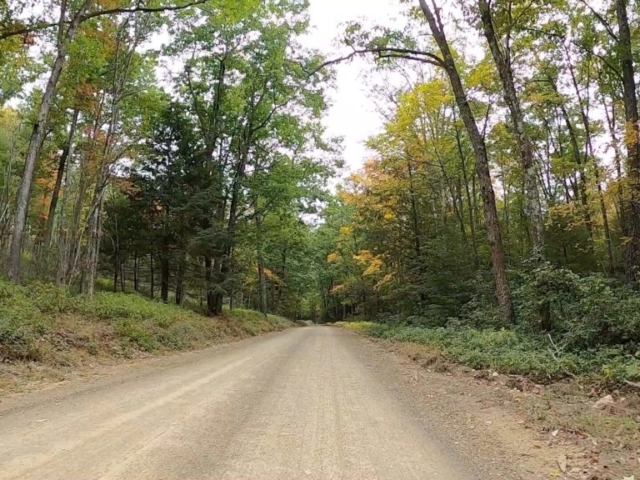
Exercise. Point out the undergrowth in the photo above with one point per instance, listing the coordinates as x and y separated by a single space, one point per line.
512 352
46 324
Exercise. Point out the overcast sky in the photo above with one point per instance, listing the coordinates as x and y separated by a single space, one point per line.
352 115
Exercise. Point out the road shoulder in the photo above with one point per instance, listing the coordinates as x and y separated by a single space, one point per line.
486 420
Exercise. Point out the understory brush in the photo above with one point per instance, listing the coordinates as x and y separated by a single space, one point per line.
567 325
511 352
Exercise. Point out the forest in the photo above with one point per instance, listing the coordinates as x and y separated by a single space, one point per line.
177 150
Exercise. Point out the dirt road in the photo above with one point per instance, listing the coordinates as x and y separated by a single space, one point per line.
308 403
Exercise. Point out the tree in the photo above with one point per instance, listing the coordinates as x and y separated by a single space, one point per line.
69 19
501 53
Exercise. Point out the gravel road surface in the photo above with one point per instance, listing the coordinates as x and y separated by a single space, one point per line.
307 403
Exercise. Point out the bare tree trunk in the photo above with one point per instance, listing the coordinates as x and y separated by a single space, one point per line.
494 235
37 136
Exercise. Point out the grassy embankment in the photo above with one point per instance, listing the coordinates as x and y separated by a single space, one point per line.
45 327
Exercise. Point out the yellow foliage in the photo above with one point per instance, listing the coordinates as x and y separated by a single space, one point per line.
374 267
363 257
271 276
387 278
482 74
332 258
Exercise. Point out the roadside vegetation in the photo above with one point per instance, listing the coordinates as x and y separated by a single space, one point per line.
42 325
510 352
593 331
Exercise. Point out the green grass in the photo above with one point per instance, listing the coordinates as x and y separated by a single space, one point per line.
44 323
510 352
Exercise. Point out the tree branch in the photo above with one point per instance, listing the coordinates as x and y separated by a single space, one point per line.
575 43
8 33
601 19
387 53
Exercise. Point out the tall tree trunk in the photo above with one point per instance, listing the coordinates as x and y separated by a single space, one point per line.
262 279
180 278
164 277
527 160
95 233
122 64
64 240
152 284
262 286
67 150
223 264
6 186
494 235
283 277
582 180
212 304
470 196
116 273
135 271
632 140
617 158
116 259
590 156
415 221
37 136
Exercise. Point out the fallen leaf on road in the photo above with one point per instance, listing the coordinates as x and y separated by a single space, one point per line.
562 462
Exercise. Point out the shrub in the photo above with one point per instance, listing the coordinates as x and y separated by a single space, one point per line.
513 352
584 311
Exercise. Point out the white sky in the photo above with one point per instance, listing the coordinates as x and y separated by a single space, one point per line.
352 115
